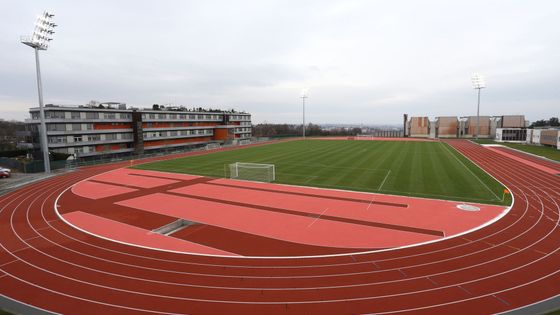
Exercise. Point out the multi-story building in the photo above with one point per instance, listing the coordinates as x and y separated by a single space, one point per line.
113 129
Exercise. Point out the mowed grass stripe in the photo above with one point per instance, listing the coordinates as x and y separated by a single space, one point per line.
422 169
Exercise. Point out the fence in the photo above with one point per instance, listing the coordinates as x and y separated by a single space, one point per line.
387 133
37 166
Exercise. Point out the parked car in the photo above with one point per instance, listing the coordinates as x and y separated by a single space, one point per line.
5 172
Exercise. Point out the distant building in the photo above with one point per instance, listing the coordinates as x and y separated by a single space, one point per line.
418 127
468 127
111 129
447 127
465 127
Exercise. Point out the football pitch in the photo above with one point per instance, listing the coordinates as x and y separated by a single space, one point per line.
419 169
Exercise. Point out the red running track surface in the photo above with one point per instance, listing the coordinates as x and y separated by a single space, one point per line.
335 219
526 159
503 266
133 235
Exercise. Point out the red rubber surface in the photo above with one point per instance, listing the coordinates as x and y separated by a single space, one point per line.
509 264
332 221
527 159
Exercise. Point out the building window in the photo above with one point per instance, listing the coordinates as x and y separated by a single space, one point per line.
55 115
56 127
152 116
75 115
77 138
57 139
110 116
162 116
92 115
92 138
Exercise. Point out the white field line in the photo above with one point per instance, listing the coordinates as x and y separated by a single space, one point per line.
317 218
384 180
468 169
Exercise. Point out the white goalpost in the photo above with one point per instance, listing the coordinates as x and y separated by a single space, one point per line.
252 171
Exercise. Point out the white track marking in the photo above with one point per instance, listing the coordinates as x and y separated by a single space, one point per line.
317 218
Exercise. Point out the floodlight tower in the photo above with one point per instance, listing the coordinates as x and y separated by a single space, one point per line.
42 35
478 83
303 96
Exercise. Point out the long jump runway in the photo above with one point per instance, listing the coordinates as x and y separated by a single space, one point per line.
509 264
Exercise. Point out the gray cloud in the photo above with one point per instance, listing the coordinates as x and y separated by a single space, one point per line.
363 61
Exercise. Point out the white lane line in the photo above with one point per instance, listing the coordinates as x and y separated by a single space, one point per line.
32 238
9 262
19 250
317 218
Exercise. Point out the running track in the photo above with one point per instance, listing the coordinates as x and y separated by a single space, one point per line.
509 264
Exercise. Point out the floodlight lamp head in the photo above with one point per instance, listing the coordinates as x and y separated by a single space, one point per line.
304 92
478 81
42 34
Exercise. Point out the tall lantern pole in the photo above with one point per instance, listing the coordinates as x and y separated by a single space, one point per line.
42 35
478 83
304 95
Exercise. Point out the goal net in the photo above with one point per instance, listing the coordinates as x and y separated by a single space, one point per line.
252 171
211 146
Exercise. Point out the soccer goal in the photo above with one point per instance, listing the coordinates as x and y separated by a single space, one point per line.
211 146
252 171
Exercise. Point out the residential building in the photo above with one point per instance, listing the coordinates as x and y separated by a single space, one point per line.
113 129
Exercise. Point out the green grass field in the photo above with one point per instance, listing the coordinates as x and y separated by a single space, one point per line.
547 152
421 169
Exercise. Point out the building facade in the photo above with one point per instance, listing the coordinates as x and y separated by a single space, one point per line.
113 129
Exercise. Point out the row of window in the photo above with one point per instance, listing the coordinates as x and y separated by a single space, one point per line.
175 133
51 114
91 148
181 116
239 117
79 127
90 138
242 129
56 114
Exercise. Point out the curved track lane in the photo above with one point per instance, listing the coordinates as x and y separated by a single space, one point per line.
506 265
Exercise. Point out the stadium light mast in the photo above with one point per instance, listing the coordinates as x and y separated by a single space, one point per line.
478 83
39 40
304 95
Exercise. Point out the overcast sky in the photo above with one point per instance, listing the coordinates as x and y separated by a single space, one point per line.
362 61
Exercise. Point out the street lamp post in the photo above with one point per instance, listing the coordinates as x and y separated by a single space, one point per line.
42 35
478 83
303 97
